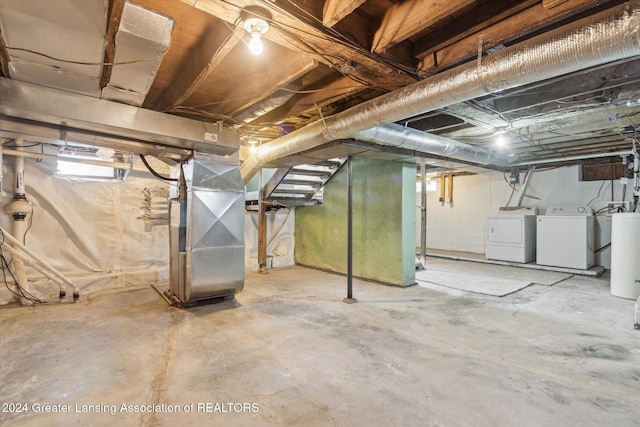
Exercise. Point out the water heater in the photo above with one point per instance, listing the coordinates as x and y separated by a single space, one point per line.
625 255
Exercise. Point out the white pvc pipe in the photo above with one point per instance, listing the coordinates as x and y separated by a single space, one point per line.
15 242
115 165
35 265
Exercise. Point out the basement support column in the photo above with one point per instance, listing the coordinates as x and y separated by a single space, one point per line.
262 229
350 299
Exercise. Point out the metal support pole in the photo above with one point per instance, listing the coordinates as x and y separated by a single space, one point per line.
350 299
262 229
423 214
525 185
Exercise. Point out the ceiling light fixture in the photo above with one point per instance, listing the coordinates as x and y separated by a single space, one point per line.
256 26
501 139
252 145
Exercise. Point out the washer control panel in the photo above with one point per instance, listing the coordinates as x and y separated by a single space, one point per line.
570 211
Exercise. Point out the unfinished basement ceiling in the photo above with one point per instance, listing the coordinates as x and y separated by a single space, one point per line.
190 58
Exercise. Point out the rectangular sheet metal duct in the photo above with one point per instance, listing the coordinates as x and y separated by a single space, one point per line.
55 107
73 31
141 42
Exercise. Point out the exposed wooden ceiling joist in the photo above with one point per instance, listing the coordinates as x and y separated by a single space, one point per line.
335 10
408 18
290 68
293 33
512 28
300 103
472 23
213 48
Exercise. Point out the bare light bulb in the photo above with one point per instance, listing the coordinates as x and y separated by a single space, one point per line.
255 45
252 149
500 140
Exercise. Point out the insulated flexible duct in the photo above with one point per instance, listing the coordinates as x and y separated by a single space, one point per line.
602 38
412 139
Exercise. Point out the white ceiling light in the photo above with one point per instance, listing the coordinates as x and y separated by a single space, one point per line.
252 145
256 26
501 138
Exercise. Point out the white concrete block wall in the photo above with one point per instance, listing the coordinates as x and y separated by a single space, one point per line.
460 226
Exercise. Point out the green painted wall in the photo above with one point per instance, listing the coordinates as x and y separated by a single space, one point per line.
384 200
254 183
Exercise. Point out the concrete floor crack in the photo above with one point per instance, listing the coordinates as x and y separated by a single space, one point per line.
159 383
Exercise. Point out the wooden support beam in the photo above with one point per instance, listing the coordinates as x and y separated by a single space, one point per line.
472 23
211 51
290 67
298 104
512 28
409 17
292 33
115 15
548 4
335 10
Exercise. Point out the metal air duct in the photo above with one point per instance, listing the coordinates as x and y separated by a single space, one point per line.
413 139
602 38
141 43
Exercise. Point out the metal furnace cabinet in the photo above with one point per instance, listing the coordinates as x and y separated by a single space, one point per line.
207 233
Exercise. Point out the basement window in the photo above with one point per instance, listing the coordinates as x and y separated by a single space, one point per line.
83 171
432 186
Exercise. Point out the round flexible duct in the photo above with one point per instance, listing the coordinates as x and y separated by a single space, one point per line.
413 139
602 38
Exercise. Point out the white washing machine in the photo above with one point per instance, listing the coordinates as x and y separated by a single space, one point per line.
565 237
511 236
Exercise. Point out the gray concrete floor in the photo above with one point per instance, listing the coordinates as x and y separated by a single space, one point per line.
564 355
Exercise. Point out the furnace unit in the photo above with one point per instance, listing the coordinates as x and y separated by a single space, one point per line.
206 232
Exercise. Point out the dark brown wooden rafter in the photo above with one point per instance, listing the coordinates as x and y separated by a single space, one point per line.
505 31
471 23
212 50
291 68
295 34
409 17
336 10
